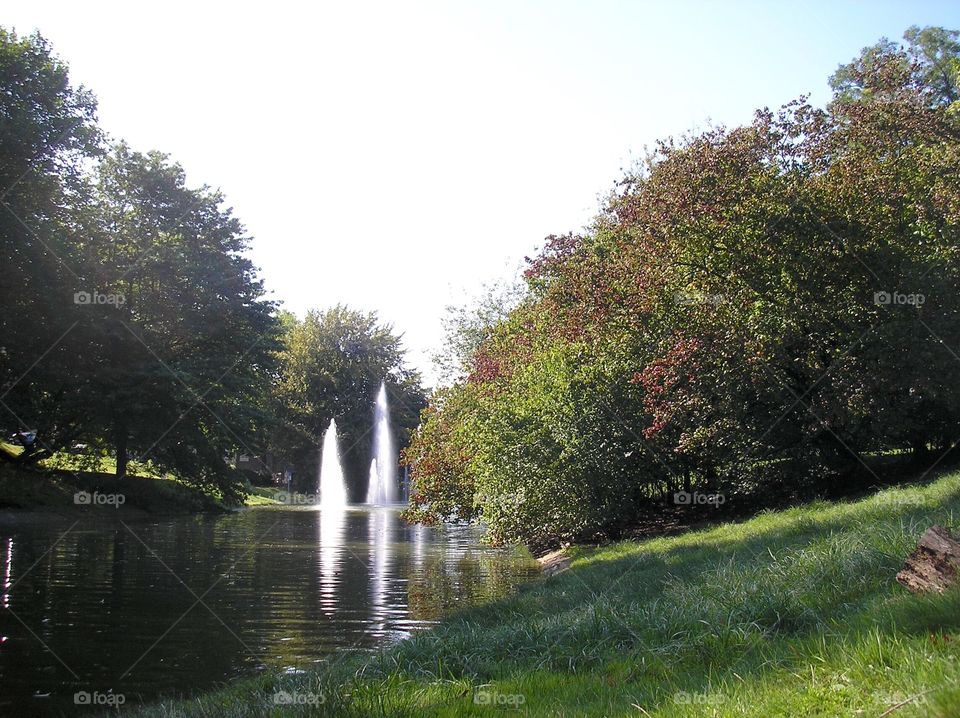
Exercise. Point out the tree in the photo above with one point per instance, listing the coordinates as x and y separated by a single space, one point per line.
466 326
930 57
332 364
755 309
47 132
187 349
937 52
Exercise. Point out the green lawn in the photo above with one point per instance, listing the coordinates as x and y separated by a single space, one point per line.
54 489
792 613
53 481
263 496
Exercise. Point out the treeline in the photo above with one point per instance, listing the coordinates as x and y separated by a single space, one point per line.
132 325
756 310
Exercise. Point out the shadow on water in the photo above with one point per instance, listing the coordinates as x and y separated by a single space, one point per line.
176 606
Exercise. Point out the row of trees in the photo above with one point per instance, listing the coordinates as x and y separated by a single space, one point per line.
755 309
131 320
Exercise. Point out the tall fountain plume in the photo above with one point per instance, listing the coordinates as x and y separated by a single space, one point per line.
383 469
331 484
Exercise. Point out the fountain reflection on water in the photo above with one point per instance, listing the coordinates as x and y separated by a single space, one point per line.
333 503
331 534
380 526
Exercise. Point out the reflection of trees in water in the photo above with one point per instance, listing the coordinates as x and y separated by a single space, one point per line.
282 583
447 583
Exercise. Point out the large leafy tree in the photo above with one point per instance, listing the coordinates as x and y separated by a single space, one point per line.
755 308
47 133
332 365
186 347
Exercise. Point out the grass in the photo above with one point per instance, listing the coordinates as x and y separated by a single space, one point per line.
66 461
53 482
790 613
54 490
263 496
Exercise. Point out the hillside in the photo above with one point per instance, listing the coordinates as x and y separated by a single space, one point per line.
792 613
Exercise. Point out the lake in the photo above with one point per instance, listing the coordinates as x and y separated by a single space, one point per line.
95 607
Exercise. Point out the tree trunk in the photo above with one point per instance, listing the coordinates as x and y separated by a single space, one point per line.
934 564
921 453
120 439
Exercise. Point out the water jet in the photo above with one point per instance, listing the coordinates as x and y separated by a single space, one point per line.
331 484
382 490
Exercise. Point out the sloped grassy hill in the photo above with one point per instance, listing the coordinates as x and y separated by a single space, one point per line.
792 613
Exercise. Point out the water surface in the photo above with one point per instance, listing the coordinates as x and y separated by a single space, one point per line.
176 606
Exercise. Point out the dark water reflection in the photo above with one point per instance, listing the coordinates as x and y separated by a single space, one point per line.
179 605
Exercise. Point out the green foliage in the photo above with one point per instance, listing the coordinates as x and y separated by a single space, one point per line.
929 57
331 367
134 323
179 366
47 133
755 308
131 318
445 484
467 326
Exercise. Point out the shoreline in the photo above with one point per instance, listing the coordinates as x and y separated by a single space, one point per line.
715 617
75 493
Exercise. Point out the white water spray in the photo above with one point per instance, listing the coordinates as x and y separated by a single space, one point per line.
382 489
330 484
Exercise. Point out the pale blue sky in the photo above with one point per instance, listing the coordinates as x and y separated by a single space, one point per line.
394 155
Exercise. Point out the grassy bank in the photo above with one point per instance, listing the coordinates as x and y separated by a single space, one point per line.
790 613
51 485
54 490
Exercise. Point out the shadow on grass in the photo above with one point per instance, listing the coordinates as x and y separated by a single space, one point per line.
56 489
790 613
736 603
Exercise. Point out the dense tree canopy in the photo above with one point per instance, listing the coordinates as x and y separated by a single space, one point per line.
332 365
134 325
187 350
930 57
755 309
47 132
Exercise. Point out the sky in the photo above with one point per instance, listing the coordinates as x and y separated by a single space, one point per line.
394 156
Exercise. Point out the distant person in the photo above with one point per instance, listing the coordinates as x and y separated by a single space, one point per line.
26 439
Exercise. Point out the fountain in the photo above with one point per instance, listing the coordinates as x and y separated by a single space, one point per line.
330 484
373 486
382 490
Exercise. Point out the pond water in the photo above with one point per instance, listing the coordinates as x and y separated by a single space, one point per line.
142 608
